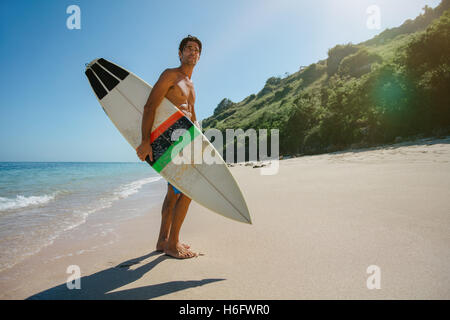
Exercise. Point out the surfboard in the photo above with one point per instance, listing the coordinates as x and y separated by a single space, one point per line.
181 161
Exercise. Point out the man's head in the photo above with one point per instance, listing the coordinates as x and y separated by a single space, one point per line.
189 50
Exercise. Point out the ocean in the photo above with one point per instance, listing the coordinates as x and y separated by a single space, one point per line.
39 201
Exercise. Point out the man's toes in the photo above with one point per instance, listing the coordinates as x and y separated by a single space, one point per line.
188 254
192 254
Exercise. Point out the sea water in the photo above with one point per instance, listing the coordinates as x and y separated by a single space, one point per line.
41 200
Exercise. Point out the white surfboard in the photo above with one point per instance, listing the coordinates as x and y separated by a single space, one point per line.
123 96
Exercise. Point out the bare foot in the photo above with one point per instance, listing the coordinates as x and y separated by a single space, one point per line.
179 252
162 244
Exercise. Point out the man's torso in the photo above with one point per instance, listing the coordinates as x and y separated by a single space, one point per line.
181 93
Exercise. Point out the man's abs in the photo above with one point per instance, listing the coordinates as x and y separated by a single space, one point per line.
180 98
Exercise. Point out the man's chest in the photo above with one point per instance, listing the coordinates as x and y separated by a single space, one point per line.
183 89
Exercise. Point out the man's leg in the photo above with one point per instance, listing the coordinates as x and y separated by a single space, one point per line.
166 218
174 248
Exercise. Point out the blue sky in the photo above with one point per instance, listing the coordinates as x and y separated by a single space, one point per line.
48 111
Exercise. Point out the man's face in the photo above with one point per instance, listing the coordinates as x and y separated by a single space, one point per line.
190 54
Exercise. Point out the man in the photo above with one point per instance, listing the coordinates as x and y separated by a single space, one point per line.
176 85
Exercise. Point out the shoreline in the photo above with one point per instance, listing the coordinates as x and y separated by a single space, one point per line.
317 227
31 222
96 233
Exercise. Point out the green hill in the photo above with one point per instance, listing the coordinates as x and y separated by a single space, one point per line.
395 84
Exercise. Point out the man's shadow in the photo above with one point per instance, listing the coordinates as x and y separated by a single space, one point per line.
98 285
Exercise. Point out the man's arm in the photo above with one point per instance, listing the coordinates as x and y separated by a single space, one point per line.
154 100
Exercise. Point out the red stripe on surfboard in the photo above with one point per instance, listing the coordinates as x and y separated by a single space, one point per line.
165 125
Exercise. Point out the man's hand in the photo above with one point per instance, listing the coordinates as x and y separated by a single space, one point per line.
144 150
185 109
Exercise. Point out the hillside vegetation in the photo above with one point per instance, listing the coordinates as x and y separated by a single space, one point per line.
396 84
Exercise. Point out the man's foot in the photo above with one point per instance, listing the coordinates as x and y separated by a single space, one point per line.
162 244
179 252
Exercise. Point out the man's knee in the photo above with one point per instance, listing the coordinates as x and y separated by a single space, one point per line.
170 200
186 200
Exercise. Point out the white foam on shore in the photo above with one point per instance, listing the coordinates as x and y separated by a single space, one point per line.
22 202
131 188
15 255
122 192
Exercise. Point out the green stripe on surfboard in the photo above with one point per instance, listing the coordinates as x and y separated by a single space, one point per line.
175 148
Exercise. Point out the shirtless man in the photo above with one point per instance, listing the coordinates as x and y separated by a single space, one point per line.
176 85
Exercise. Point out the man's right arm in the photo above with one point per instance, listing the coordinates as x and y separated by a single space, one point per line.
154 100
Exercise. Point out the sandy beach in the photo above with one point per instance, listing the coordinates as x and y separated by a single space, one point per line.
317 226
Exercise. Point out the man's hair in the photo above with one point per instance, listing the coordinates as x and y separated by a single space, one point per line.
190 38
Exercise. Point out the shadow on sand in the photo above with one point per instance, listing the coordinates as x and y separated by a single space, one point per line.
98 285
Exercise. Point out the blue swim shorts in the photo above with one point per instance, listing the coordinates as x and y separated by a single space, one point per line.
175 190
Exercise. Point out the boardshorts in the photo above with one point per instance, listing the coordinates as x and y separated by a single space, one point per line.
175 190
